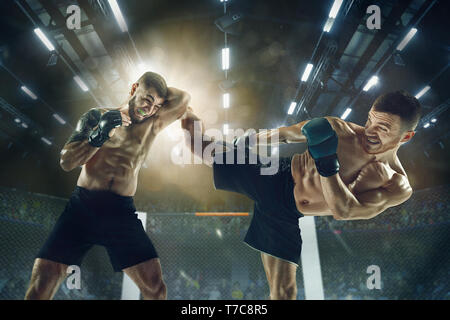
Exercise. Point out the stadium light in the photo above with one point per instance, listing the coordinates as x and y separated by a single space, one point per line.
332 15
422 92
118 15
58 117
335 8
24 125
406 39
44 39
46 141
81 83
292 107
434 120
373 81
226 100
346 113
225 128
307 72
225 58
29 92
426 125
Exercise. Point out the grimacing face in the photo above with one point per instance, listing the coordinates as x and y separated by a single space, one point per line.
145 102
383 131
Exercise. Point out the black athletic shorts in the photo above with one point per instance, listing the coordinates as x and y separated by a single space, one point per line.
98 218
274 228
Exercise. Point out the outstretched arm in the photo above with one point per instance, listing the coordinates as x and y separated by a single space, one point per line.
291 134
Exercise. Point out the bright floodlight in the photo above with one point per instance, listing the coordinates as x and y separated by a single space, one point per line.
346 113
225 58
29 92
226 100
58 117
335 8
307 72
46 141
373 81
434 120
426 125
422 92
118 15
406 39
80 82
292 107
23 124
225 128
44 39
328 25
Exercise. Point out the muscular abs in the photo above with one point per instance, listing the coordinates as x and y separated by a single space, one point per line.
115 166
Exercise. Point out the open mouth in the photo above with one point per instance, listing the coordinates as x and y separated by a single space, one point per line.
372 141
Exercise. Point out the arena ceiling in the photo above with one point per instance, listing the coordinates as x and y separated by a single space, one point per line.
271 43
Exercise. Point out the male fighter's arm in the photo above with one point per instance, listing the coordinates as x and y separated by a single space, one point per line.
194 128
322 146
283 135
173 108
93 129
347 205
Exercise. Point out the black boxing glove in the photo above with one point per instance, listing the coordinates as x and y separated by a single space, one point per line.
108 121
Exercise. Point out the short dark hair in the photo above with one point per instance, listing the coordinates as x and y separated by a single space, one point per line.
402 104
155 80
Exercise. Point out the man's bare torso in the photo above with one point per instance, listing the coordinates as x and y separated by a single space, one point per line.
352 158
115 166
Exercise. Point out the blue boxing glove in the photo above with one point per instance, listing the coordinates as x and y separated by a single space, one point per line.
322 145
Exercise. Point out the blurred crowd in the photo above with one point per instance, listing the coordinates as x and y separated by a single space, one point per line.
172 217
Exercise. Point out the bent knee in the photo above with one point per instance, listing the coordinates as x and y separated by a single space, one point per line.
285 292
156 290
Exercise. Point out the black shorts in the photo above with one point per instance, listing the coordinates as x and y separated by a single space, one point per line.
274 228
98 218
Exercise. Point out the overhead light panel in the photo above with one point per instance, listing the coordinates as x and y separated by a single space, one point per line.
225 58
335 9
422 92
46 141
81 83
29 92
44 39
307 72
373 81
226 100
346 113
58 117
118 15
225 128
406 39
292 107
332 15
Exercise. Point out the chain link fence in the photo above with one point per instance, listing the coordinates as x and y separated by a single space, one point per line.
205 258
